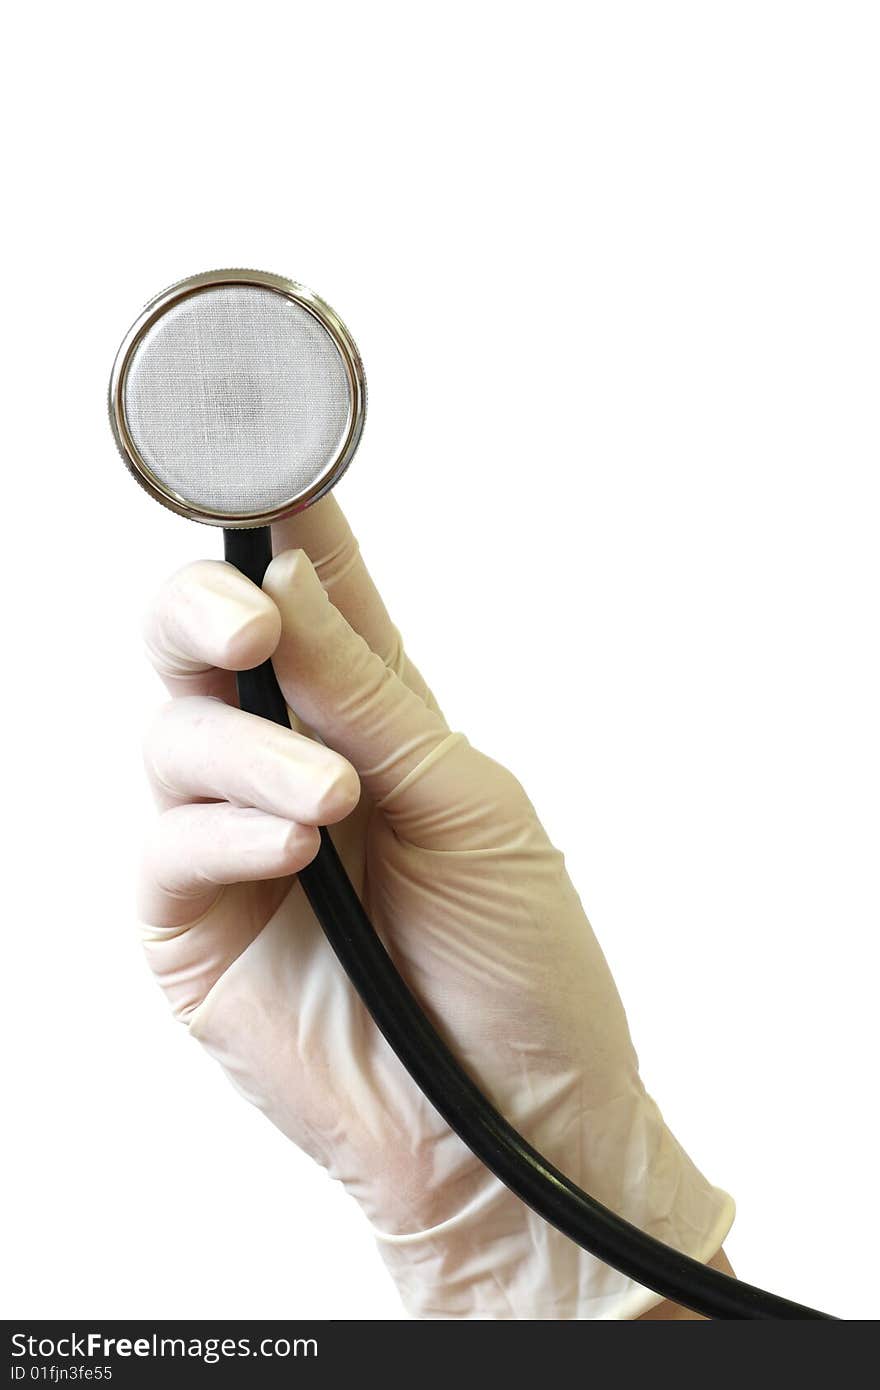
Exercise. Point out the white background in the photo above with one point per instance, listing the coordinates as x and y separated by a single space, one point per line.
614 272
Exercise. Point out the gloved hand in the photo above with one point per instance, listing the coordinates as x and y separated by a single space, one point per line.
471 899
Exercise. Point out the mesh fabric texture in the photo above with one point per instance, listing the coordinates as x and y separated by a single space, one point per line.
238 399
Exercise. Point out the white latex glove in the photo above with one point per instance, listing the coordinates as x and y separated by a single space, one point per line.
470 897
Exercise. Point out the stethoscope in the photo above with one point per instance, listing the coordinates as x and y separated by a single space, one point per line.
238 398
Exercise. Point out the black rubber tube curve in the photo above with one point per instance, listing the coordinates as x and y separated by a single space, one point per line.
398 1015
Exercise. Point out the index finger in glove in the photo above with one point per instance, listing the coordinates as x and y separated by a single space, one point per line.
206 622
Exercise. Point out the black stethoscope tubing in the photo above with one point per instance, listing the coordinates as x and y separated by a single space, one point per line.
399 1017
